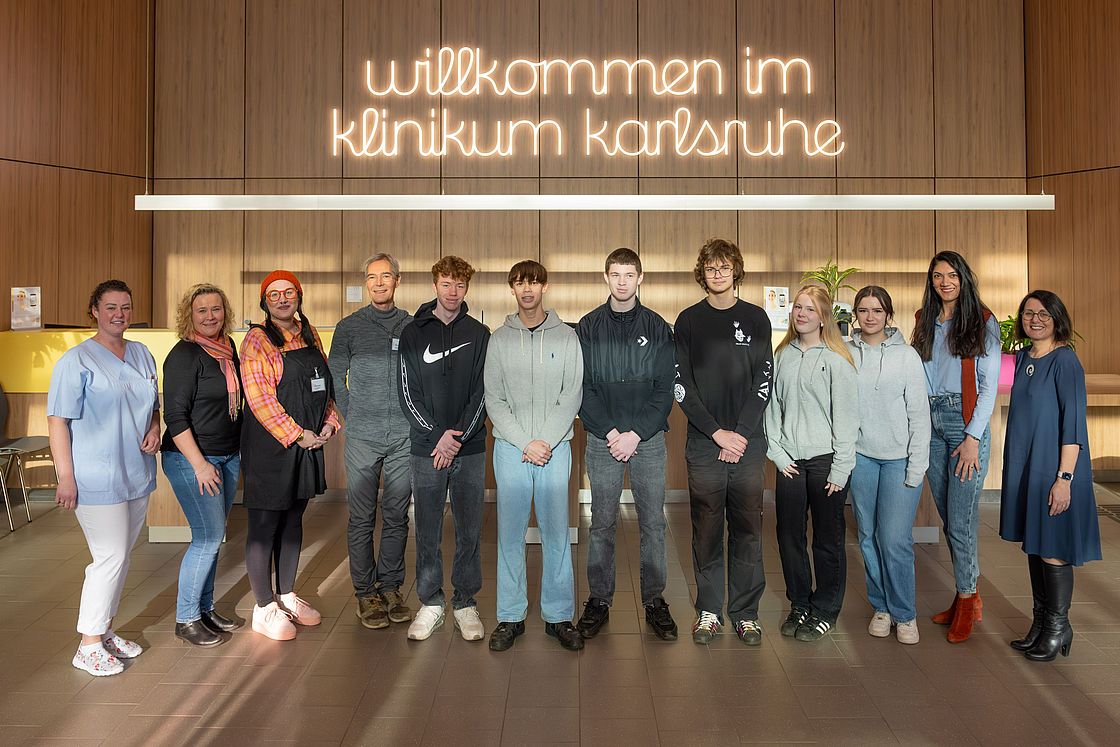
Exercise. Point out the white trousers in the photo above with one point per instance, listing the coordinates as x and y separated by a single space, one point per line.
110 531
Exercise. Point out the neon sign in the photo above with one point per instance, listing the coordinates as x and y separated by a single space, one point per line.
464 73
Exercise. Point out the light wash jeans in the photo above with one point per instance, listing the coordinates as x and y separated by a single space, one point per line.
957 501
885 509
207 516
523 486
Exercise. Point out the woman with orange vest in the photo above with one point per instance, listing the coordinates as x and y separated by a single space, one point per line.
957 338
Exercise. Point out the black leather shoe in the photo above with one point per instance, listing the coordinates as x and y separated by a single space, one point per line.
1056 636
1038 591
219 623
658 618
596 612
566 633
503 635
197 634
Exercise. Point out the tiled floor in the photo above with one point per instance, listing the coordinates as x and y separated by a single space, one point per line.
340 683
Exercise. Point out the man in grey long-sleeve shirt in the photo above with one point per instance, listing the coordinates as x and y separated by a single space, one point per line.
364 362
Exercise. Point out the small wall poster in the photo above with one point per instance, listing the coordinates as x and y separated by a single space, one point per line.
26 309
776 304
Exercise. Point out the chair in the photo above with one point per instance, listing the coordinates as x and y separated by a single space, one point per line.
17 451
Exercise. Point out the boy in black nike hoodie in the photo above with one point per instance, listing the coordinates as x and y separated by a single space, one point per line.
442 393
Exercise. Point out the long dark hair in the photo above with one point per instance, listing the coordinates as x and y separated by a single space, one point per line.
1063 326
275 336
966 335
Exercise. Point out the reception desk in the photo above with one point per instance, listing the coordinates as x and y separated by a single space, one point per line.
28 358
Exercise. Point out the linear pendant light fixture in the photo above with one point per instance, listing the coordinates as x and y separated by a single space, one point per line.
669 203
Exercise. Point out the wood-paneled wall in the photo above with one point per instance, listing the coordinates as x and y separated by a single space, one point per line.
1074 154
73 142
929 92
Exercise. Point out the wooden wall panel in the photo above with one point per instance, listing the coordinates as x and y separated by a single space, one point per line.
787 29
491 241
1072 68
978 88
612 35
103 111
306 243
1072 252
412 237
778 247
574 245
668 243
199 248
994 243
102 237
293 77
503 30
30 60
694 30
884 87
29 235
200 89
892 249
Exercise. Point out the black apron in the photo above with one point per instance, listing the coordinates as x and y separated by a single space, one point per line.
277 476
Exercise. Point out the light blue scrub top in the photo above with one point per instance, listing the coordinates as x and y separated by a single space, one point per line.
943 373
109 403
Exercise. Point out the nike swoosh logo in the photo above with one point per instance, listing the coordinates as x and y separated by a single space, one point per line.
430 357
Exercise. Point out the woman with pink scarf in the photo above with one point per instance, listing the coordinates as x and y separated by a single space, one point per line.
201 451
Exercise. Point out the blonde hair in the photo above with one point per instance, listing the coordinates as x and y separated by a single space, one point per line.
184 324
830 333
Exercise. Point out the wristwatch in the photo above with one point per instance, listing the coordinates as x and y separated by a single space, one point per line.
1067 476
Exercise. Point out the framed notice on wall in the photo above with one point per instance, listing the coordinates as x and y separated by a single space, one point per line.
776 304
26 308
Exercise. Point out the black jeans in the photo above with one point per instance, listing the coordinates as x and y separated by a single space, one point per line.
726 495
795 498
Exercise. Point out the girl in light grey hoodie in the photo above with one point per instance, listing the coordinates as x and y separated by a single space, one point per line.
892 453
811 427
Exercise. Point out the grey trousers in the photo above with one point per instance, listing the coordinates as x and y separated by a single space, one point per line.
647 482
366 462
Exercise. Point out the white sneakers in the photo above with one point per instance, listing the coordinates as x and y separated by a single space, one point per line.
299 610
273 622
96 660
468 623
880 625
119 647
426 621
907 632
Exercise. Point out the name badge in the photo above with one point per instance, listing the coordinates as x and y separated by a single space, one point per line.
318 383
396 344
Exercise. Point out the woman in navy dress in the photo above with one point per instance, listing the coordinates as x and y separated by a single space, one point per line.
1047 503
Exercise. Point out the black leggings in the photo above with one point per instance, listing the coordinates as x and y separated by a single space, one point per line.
273 535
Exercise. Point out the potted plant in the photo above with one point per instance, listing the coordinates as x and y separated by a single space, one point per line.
832 278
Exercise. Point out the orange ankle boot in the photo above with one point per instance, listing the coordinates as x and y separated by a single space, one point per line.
946 617
968 612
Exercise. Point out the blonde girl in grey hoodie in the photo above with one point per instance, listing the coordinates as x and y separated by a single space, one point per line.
811 428
892 453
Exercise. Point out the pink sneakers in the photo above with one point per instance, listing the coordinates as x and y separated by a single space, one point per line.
273 622
299 610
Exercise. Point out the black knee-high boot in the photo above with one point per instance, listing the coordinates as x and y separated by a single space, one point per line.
1057 635
1034 563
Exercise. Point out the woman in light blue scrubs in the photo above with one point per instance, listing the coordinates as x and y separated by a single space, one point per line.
103 420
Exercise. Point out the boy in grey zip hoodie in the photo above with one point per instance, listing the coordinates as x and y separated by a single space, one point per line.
534 387
892 453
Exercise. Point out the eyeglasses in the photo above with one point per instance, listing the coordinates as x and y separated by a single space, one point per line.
1043 316
718 272
288 293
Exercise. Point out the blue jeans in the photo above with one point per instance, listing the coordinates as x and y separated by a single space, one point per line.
465 480
523 486
885 509
207 516
957 501
647 483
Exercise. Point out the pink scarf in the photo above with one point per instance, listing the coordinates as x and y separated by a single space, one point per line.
222 351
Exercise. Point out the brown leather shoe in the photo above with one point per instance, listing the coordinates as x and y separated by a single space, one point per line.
371 612
946 617
967 614
398 611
